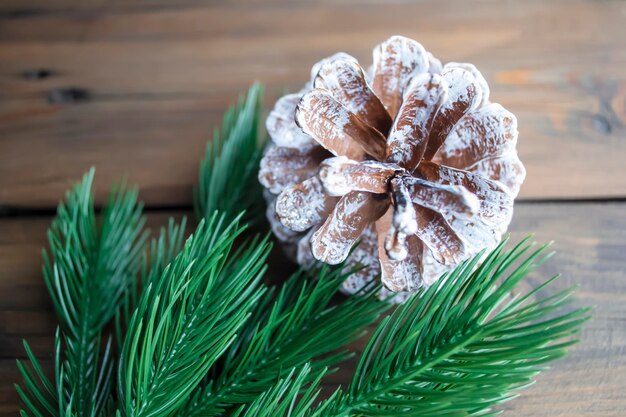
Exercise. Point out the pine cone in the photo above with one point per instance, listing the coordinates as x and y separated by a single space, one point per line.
409 160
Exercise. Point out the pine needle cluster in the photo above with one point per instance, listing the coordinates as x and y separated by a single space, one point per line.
177 326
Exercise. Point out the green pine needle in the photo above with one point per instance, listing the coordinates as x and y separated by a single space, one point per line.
293 395
40 395
162 250
459 348
187 317
300 324
91 266
228 173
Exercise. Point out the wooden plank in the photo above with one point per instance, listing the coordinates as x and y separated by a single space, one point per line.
590 243
136 89
118 138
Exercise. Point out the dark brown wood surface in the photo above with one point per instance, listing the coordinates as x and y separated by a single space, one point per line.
135 88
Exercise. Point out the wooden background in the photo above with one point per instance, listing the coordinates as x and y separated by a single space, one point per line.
135 87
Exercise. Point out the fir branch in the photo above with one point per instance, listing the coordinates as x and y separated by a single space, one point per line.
40 395
187 317
228 173
293 395
161 251
464 345
298 325
90 268
456 349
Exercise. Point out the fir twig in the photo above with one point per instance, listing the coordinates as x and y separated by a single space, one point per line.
456 349
298 325
161 251
41 395
186 318
90 268
228 173
293 395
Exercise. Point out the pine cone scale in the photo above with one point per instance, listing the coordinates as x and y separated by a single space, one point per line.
484 86
352 214
465 96
334 127
303 205
446 245
341 175
281 125
505 169
294 165
443 198
395 61
496 203
486 133
345 80
409 135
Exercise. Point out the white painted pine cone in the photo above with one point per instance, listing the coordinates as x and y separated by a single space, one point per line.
412 162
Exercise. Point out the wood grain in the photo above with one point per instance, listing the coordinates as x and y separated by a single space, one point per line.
135 87
590 243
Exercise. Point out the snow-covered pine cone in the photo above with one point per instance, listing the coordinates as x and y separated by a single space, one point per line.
410 160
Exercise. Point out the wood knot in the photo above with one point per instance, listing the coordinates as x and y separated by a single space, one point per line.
601 124
68 95
21 13
37 74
